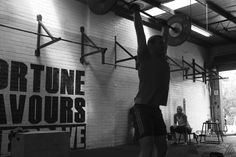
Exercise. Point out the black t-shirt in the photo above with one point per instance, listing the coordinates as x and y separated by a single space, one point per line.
154 77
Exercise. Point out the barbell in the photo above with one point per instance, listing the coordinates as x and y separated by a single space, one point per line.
179 24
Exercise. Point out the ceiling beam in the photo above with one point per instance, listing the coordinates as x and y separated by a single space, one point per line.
204 43
226 67
221 35
227 62
158 5
222 50
225 59
126 13
221 11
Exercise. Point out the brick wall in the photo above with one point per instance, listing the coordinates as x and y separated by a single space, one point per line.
109 91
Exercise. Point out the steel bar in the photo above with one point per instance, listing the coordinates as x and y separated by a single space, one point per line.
48 43
121 66
31 32
124 49
174 70
46 30
126 59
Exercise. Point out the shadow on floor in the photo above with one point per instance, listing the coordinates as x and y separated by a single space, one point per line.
192 150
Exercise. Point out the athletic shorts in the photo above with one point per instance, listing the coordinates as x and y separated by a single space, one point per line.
148 121
180 129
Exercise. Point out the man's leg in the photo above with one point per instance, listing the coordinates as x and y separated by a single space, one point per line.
160 133
183 130
172 131
144 128
185 137
187 131
146 146
161 145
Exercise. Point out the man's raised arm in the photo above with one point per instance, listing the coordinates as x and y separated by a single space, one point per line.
165 36
141 39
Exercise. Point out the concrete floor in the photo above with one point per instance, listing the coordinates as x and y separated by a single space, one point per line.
173 151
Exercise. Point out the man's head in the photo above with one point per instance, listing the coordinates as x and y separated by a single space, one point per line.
156 46
179 109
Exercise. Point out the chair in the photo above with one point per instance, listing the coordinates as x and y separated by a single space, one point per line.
195 136
189 133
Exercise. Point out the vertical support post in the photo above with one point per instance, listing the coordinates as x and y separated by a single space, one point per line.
37 51
183 66
184 105
82 45
205 73
194 71
103 56
40 26
136 62
185 72
115 52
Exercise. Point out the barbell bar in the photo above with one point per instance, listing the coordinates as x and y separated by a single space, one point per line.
179 24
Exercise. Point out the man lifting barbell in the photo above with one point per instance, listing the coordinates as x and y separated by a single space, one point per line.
154 76
179 24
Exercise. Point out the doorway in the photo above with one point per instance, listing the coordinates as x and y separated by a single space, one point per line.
228 101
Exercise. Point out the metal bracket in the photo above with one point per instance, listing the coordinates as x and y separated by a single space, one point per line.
121 60
126 59
85 38
199 72
213 75
40 26
181 67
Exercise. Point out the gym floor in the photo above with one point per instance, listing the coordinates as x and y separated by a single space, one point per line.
132 150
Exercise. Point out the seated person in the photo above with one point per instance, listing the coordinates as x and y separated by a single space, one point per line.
181 125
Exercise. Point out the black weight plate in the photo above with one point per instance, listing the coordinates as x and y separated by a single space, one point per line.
101 7
185 23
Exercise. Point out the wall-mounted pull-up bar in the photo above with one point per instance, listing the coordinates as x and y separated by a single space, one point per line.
213 75
85 38
195 72
126 59
49 35
173 62
40 26
205 75
117 44
199 72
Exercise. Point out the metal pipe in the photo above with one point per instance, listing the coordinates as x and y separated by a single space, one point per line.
206 16
49 43
37 52
174 70
124 49
126 59
120 66
30 32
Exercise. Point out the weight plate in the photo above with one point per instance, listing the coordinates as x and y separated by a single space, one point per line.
176 31
181 22
101 7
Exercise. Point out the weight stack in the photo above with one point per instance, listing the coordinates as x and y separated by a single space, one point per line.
41 144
